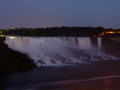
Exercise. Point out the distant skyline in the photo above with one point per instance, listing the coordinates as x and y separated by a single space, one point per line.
51 13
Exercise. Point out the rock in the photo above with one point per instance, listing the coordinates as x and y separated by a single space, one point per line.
13 61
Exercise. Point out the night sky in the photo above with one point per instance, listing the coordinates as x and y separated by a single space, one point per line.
48 13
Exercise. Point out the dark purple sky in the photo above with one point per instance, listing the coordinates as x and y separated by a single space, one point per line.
43 13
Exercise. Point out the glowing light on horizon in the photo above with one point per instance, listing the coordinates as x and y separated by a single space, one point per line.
12 37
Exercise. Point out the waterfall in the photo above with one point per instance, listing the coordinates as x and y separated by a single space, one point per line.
59 51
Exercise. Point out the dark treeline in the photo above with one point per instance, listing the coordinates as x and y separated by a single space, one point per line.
56 31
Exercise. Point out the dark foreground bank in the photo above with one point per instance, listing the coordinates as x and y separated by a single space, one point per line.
13 61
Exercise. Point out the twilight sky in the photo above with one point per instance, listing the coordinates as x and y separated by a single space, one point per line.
42 13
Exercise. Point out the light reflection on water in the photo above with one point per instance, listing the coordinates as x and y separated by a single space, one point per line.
58 51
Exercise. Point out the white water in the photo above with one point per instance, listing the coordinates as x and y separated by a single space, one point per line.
58 51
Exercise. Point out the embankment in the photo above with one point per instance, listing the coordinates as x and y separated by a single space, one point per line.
13 61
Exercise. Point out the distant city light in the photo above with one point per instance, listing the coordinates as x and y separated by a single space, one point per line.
108 33
12 37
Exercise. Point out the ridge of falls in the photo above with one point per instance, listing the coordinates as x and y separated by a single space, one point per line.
59 51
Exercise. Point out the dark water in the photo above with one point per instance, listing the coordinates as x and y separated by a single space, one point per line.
68 62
